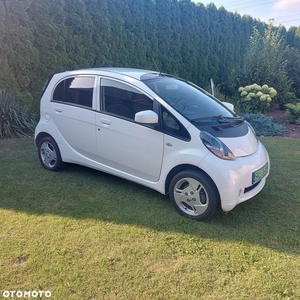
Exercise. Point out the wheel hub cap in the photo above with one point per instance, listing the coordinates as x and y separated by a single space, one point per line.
48 155
191 196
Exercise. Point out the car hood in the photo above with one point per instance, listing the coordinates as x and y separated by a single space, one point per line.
242 145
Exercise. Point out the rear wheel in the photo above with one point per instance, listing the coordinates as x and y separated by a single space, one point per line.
194 195
49 154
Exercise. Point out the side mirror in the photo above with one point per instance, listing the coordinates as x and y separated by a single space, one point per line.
229 105
146 117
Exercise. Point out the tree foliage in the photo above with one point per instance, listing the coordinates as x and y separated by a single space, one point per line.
265 62
197 42
293 113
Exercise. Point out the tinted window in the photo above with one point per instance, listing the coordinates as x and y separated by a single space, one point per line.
122 99
75 90
171 126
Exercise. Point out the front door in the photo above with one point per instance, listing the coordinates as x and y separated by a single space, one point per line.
123 144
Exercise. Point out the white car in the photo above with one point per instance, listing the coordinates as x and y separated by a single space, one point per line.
154 129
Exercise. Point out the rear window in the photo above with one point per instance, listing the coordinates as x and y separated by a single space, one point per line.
75 90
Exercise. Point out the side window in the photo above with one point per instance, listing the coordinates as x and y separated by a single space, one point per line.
75 90
171 126
123 100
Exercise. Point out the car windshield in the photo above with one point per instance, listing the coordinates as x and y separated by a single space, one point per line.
189 100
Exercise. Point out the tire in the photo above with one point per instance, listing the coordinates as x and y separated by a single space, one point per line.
194 195
49 154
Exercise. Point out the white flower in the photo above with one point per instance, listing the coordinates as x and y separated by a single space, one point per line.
263 98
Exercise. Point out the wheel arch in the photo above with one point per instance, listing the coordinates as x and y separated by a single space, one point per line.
185 167
49 156
40 136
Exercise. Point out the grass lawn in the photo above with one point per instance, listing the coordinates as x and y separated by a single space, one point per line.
83 234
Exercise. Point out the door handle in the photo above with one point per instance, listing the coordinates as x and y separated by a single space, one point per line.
105 121
58 109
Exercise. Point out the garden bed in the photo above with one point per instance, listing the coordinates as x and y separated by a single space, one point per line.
279 116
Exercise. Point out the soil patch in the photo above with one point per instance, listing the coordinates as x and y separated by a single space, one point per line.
292 130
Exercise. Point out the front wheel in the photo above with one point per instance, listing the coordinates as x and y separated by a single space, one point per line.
49 154
194 195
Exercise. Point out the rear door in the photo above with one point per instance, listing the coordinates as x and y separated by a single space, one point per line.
73 112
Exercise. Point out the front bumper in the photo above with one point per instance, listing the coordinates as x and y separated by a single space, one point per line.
234 178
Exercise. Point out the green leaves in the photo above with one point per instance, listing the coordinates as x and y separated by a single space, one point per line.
265 61
293 112
15 119
39 38
263 125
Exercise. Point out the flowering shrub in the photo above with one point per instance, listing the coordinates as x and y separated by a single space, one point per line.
256 98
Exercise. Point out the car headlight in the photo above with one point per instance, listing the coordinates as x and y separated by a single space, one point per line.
216 146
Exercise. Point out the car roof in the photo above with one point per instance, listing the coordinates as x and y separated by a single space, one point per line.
131 72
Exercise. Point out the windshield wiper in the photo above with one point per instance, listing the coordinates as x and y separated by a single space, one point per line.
220 118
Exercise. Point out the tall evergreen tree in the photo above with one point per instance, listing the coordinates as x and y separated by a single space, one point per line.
100 32
292 57
38 38
265 64
190 40
18 54
293 37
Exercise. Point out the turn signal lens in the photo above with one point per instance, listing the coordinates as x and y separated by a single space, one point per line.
216 146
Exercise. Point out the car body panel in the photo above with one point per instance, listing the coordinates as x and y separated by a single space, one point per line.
242 146
122 145
77 126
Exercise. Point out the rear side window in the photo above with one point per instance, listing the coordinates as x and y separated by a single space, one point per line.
76 91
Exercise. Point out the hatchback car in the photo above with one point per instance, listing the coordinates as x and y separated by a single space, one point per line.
154 129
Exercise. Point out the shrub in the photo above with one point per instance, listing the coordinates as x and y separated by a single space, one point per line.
289 97
264 125
256 98
293 112
15 119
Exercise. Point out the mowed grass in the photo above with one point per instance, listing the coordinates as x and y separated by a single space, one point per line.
83 234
